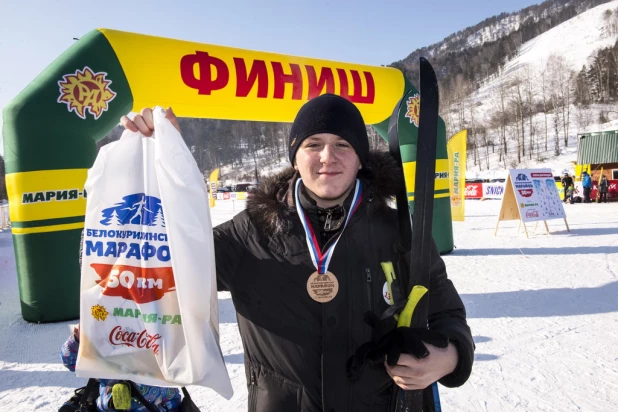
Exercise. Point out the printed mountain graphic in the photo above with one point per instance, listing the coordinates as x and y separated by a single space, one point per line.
136 209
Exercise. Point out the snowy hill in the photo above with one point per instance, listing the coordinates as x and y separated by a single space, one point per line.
575 40
528 82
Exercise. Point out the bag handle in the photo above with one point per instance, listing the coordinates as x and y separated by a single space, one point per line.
147 404
185 393
91 387
141 398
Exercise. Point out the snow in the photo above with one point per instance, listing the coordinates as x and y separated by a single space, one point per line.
494 32
543 312
576 40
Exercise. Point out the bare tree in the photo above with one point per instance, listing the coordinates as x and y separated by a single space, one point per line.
556 120
500 117
473 135
545 97
518 105
484 135
561 94
529 81
583 117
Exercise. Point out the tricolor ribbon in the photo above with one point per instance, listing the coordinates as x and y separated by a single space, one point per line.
322 260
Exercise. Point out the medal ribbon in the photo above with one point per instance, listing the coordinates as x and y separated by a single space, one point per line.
322 260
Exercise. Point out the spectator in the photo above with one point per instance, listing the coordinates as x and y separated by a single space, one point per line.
567 182
603 187
587 184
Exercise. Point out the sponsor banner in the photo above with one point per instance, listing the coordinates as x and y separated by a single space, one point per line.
457 172
474 190
37 195
231 196
493 190
536 194
612 190
204 80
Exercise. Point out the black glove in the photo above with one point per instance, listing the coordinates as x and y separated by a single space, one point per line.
390 342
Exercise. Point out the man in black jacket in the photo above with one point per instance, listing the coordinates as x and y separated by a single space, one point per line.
567 181
303 265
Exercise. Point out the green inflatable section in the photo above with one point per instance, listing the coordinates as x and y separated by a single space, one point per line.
408 135
44 141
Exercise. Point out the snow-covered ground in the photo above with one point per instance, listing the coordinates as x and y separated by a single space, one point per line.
543 312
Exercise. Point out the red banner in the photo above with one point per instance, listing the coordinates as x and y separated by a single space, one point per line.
612 190
474 190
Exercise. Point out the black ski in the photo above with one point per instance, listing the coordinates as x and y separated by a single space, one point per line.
416 233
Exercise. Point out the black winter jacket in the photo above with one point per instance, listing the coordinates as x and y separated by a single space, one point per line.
295 348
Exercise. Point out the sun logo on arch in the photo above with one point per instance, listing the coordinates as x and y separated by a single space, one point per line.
414 108
85 91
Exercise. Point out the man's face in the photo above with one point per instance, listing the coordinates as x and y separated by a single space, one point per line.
328 166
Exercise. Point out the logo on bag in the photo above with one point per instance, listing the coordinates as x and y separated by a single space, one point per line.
99 312
141 340
86 91
141 285
135 209
414 108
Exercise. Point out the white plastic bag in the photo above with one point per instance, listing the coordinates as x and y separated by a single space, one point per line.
148 309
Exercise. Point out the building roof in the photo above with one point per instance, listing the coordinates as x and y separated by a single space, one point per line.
598 148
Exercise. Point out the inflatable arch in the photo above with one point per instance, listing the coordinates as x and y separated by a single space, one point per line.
51 129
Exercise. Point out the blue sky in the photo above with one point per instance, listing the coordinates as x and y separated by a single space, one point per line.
35 32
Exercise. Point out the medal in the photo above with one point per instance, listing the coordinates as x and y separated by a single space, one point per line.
322 285
322 288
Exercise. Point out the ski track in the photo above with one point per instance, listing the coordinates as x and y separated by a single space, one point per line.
543 313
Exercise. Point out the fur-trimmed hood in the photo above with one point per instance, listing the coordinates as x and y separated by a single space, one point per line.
271 205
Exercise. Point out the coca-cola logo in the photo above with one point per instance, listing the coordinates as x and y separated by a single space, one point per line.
141 340
526 192
473 190
532 214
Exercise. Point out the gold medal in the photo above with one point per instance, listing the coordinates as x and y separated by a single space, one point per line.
322 288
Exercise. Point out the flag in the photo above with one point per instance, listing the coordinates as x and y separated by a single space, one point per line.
214 178
457 173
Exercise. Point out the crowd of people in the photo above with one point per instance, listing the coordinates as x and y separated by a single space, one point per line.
572 194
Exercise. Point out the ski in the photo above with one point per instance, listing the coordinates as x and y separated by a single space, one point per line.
416 232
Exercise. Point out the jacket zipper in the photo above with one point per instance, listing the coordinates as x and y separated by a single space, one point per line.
329 221
253 393
369 288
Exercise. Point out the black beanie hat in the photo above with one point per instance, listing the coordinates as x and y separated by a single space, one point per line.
334 114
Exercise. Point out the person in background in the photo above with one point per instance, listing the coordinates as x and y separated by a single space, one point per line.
568 194
567 182
159 399
603 187
587 185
